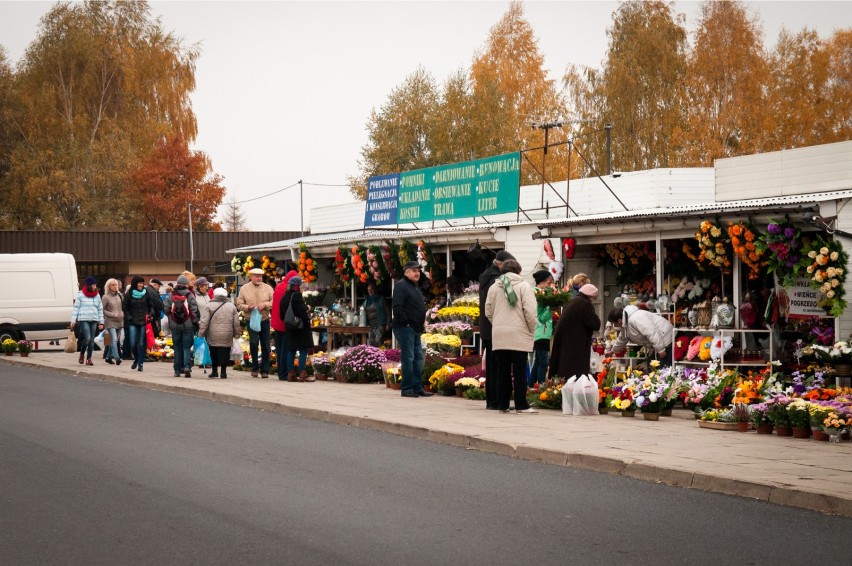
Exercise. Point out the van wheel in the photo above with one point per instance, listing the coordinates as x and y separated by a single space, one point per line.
7 332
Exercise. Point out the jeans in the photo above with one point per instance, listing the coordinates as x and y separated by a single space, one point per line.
137 342
263 338
291 357
490 375
511 363
88 331
112 350
411 355
182 340
281 354
539 368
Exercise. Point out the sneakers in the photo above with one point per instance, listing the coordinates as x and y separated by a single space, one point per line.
109 361
89 362
139 368
529 411
80 361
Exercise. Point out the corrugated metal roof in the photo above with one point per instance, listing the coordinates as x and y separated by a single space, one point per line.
789 201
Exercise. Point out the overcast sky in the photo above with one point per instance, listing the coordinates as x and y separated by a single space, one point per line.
284 89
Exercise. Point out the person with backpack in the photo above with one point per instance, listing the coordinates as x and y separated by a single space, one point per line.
137 309
182 312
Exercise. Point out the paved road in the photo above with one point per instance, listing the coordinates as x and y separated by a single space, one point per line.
99 473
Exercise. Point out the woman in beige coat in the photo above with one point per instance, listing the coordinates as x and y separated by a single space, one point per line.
220 325
511 308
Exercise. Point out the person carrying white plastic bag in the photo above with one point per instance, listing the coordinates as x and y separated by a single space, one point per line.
585 396
568 396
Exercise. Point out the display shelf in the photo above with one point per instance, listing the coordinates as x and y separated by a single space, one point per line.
731 331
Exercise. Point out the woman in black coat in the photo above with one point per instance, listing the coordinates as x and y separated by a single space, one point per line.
572 341
298 339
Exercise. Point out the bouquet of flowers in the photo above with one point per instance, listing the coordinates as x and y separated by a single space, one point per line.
444 343
322 363
376 264
359 265
237 264
827 273
549 397
469 299
469 315
783 240
248 265
623 396
361 364
465 383
714 245
553 297
744 242
342 266
839 352
268 265
390 255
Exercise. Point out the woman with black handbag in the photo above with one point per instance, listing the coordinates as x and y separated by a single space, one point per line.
87 315
294 313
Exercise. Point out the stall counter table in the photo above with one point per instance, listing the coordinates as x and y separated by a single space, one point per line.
359 333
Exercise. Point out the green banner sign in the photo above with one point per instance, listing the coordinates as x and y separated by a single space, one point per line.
472 188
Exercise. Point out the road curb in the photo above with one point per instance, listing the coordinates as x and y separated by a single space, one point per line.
780 495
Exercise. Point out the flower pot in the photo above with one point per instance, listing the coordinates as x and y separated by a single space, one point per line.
459 392
629 413
321 376
820 435
25 354
340 378
603 410
394 385
765 428
10 353
783 431
714 425
666 412
801 432
651 416
742 426
843 370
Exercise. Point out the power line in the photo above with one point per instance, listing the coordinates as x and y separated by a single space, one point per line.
281 190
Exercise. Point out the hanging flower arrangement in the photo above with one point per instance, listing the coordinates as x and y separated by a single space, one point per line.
248 265
744 240
237 264
827 274
342 266
633 260
268 265
692 250
376 264
359 264
390 255
569 247
306 266
407 252
714 245
783 242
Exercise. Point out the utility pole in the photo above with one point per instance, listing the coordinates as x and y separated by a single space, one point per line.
301 211
608 128
191 249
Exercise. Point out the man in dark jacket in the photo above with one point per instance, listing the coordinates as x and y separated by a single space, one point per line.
486 280
409 316
153 290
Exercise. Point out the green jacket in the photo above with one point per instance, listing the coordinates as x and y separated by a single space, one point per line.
544 326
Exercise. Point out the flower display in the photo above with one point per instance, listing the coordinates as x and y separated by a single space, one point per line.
342 265
407 252
248 265
376 265
440 378
744 241
704 348
714 245
469 315
322 363
361 363
826 269
268 265
623 395
569 247
448 344
465 383
359 264
25 346
455 328
10 346
839 352
306 266
390 256
783 242
237 264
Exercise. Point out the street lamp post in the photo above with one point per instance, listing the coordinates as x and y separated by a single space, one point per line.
191 249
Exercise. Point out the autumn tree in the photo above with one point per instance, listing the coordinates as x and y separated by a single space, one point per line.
728 112
98 87
511 92
233 219
399 133
840 85
167 180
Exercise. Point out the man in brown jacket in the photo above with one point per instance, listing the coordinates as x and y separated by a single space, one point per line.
257 295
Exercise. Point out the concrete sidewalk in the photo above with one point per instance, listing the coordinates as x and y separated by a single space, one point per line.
675 451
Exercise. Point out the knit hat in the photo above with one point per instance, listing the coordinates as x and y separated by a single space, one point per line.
589 290
295 280
201 281
183 280
503 255
90 281
541 275
220 292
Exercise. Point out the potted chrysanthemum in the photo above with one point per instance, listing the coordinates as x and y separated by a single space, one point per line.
10 346
25 347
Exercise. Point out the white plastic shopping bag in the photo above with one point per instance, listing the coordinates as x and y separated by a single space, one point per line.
99 340
568 396
585 396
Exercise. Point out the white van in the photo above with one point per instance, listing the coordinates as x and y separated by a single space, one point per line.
37 293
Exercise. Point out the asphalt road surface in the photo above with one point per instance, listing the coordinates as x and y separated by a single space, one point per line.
100 473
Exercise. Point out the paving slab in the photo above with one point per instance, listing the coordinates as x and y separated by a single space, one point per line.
675 451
